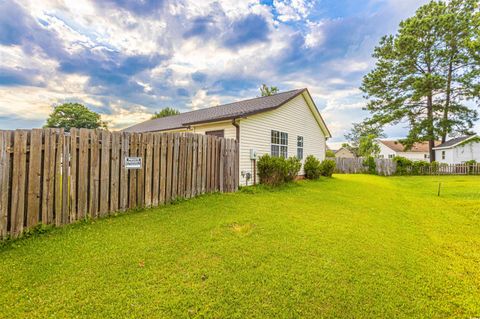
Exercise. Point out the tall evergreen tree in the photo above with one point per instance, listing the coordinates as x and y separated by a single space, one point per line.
411 81
459 32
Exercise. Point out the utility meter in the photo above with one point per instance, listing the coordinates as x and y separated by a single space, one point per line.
253 154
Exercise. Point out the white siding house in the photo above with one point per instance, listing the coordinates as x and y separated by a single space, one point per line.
296 118
391 149
459 150
284 124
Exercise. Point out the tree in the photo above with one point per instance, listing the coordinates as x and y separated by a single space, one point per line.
460 62
168 111
267 91
368 146
74 115
329 153
410 80
360 130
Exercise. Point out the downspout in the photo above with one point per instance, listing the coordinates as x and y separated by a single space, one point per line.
237 133
237 158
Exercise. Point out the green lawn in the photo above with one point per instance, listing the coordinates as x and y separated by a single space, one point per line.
352 246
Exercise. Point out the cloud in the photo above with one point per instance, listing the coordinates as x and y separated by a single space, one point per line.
141 7
246 30
292 10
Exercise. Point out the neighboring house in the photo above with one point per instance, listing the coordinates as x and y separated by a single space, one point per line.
459 150
284 124
344 153
391 149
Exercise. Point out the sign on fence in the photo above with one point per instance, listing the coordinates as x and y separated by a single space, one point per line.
133 162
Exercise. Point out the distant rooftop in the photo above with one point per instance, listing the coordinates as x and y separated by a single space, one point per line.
454 141
421 147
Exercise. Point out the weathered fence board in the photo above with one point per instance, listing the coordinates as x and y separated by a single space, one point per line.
5 137
52 177
34 177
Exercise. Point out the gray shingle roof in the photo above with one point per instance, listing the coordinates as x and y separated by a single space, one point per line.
454 141
216 113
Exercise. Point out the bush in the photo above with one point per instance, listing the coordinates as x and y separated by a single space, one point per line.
471 165
277 170
404 165
327 167
419 167
312 167
408 167
370 164
435 166
271 170
293 166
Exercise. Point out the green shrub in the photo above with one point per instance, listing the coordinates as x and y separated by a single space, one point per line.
404 165
293 166
277 170
370 164
271 170
419 167
311 167
471 164
435 167
327 167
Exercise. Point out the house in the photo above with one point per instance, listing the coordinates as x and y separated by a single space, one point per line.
284 124
344 153
391 149
459 150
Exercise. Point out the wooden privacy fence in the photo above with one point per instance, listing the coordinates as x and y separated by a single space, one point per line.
52 177
384 166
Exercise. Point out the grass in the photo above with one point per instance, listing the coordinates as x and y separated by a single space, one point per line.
353 246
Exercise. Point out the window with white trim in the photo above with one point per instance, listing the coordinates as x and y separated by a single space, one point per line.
391 155
443 155
300 147
279 142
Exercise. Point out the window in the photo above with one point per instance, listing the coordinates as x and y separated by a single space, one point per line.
219 133
443 155
300 147
279 144
426 156
391 155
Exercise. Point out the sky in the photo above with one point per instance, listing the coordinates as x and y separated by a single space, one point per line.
127 59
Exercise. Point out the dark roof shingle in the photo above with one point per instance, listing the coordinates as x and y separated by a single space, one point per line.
216 113
454 141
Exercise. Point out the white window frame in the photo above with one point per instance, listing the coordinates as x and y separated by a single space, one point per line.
300 144
444 155
390 156
279 144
